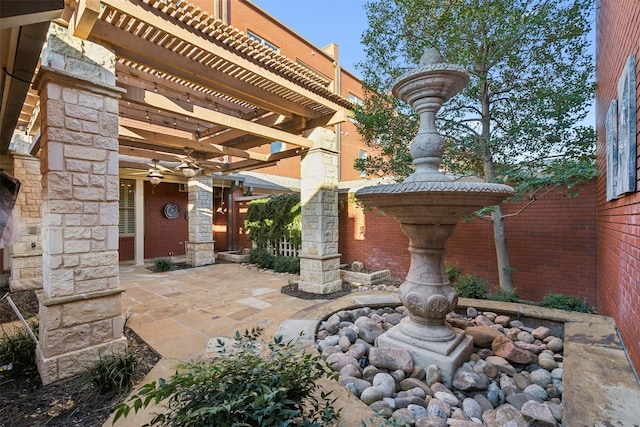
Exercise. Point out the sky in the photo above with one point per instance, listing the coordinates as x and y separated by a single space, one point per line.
323 22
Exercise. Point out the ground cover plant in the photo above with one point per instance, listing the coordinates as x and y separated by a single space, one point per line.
242 386
163 264
470 286
565 302
18 350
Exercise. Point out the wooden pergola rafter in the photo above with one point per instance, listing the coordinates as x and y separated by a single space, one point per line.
194 82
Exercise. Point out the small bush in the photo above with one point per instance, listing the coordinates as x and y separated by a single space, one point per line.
505 296
18 350
468 286
111 373
287 264
262 258
454 273
564 302
242 387
163 264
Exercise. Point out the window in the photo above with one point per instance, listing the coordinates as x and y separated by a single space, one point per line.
263 41
277 146
127 213
356 100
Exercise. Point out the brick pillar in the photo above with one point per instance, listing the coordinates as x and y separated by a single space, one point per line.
80 304
319 257
200 247
26 258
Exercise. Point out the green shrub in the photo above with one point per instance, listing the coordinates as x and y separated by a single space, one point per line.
564 302
163 264
275 217
505 296
261 257
241 387
287 264
469 286
111 373
18 350
453 273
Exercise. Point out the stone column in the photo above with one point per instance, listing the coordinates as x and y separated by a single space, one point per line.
200 247
319 257
80 304
26 258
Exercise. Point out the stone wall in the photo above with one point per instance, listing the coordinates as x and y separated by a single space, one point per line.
26 267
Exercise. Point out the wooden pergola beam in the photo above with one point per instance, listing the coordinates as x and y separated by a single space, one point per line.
146 14
154 100
129 135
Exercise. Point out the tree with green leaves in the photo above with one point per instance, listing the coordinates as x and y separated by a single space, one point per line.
519 121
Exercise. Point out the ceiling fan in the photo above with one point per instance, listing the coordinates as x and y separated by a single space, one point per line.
154 175
188 165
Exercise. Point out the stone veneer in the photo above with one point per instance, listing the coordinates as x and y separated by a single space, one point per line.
319 257
200 247
26 257
80 303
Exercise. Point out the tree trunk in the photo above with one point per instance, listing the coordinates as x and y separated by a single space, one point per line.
502 254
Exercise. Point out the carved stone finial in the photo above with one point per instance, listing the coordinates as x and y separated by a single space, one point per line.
430 56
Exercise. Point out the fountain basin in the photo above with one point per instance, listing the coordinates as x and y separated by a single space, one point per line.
430 202
599 382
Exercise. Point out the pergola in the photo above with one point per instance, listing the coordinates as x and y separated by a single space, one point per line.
125 82
195 85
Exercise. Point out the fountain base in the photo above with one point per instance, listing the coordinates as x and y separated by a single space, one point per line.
447 355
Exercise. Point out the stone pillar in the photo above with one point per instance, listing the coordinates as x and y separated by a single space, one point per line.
200 247
319 257
26 258
80 304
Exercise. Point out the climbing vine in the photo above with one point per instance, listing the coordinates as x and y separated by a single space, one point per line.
275 217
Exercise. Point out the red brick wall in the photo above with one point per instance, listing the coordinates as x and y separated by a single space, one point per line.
375 240
618 221
126 248
164 236
551 245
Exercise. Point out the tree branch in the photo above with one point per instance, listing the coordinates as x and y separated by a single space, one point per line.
532 199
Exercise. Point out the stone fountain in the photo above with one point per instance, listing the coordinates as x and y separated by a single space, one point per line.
428 205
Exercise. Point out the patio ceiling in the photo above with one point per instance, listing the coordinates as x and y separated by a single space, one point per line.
23 29
194 84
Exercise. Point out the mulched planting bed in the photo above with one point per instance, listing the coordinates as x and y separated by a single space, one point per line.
25 402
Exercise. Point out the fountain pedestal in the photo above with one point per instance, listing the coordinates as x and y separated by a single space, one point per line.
428 205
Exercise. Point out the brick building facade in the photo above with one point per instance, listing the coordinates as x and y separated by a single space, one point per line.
618 219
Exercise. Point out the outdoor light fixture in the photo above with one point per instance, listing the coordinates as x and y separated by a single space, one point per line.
188 166
188 169
154 174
